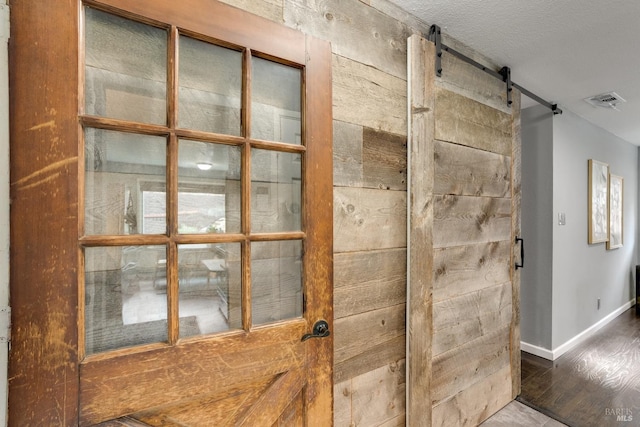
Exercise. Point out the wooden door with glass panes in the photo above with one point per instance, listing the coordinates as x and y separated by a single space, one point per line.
203 238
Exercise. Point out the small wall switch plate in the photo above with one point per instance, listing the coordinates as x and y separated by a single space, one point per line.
562 219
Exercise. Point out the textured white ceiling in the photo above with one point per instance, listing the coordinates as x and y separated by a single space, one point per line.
561 50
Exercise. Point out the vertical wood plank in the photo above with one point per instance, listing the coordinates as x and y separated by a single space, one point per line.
419 294
43 362
516 207
318 265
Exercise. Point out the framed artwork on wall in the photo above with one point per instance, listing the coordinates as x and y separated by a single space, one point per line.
615 211
598 202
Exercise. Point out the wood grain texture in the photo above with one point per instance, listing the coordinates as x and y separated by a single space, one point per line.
516 231
319 246
384 160
269 9
468 171
461 269
378 396
598 375
474 404
461 220
342 403
373 398
381 43
367 219
371 358
466 80
467 122
421 224
369 97
355 334
369 158
365 281
216 409
468 364
347 154
44 132
274 401
203 367
470 316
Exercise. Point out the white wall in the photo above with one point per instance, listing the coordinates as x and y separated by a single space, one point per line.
537 226
582 273
4 197
564 276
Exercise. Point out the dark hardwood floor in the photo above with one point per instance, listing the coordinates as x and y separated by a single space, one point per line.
595 384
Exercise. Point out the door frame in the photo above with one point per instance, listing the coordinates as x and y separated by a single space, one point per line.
45 365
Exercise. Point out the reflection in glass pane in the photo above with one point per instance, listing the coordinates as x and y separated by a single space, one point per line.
210 291
120 168
125 68
276 193
275 107
210 80
123 307
276 281
208 188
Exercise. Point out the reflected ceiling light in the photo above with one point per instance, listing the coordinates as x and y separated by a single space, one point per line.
204 166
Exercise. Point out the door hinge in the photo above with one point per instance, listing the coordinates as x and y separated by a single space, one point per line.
5 324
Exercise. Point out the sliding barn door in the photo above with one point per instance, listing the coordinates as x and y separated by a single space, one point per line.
463 315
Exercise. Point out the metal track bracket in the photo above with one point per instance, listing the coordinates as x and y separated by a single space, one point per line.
506 77
435 36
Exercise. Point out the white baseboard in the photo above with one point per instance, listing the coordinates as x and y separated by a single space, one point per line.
536 351
578 339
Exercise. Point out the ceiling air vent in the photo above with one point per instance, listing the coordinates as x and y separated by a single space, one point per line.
606 100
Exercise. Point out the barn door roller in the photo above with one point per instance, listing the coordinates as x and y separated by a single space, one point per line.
435 36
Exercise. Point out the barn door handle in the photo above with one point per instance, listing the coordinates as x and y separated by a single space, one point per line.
521 240
320 330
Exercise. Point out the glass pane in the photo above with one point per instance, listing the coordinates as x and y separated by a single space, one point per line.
209 188
121 171
210 87
276 281
210 288
276 193
275 107
125 69
123 305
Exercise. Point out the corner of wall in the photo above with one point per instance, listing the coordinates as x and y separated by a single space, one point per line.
537 226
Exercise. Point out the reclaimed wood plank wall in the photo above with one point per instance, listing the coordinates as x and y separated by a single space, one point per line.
369 45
